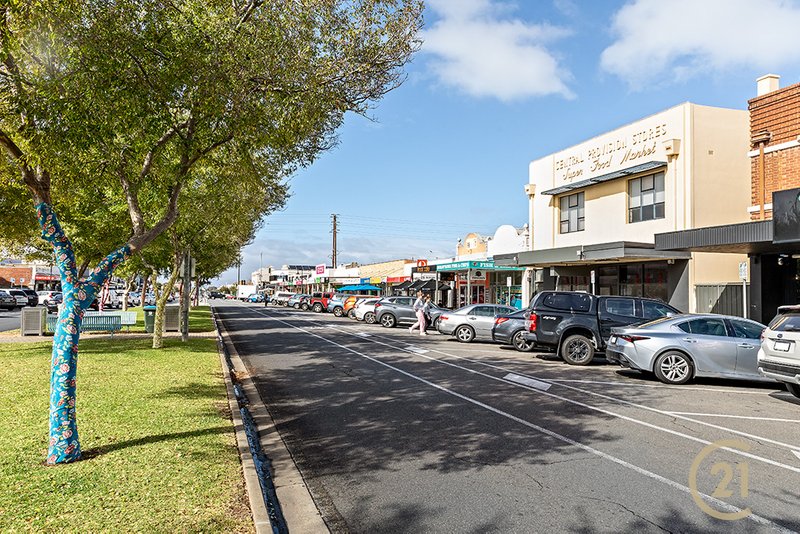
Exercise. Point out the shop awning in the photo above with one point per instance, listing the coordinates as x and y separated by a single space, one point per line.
613 252
744 238
403 285
359 287
636 169
427 285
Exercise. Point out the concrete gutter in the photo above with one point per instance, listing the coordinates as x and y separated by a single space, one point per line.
299 510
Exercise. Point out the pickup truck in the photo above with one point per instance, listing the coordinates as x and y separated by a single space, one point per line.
577 324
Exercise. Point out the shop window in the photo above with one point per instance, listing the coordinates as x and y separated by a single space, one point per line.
655 281
572 213
630 280
646 198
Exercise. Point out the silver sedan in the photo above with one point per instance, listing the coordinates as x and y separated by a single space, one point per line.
681 347
473 322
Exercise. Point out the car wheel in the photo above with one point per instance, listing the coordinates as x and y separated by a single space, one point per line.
465 334
436 324
337 311
520 343
674 368
369 318
388 320
577 350
351 313
794 389
296 305
304 306
317 307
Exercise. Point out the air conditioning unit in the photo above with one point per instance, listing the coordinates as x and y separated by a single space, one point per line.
672 147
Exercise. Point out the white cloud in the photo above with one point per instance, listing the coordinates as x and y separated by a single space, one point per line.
476 48
681 38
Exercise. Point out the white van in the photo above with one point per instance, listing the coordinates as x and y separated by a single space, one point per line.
280 297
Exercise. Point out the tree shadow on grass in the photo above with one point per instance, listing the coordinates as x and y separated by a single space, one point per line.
193 390
95 452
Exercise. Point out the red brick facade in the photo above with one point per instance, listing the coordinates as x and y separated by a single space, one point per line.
778 113
8 272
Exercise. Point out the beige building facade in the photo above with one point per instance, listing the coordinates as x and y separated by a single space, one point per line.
596 207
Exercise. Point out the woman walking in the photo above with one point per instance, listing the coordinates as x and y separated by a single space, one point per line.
419 310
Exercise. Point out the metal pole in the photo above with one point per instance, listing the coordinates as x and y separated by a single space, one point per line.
744 298
187 282
469 287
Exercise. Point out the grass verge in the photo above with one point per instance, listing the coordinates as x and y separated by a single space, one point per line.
158 444
199 319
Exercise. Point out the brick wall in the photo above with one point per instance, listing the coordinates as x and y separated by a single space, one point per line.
17 273
779 113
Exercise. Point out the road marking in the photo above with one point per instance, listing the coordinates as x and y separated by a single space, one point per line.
675 485
532 382
602 410
416 350
737 417
661 386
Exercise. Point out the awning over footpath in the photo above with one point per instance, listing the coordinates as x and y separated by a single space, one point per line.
427 285
614 252
403 285
636 169
755 237
359 287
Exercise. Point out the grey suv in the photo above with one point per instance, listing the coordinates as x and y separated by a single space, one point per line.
391 311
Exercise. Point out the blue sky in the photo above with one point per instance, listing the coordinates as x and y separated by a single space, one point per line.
498 84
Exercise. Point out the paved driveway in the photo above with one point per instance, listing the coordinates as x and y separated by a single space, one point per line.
395 432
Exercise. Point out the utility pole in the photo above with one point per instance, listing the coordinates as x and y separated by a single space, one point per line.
335 231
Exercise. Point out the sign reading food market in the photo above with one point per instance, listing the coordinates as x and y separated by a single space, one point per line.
621 148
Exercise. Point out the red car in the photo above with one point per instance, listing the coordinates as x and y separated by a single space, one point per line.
319 301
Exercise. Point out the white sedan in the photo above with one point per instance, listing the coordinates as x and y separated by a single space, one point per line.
365 310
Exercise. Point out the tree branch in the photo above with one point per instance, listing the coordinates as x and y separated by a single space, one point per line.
138 241
37 181
208 149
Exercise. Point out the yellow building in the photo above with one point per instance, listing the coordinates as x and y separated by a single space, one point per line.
595 207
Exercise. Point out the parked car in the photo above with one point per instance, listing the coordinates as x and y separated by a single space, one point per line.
20 295
472 322
281 297
350 304
579 324
391 311
7 301
365 310
319 301
680 348
216 295
510 329
779 355
33 297
294 300
51 300
336 304
134 298
255 297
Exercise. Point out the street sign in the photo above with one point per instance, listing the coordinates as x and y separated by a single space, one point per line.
508 281
13 279
743 271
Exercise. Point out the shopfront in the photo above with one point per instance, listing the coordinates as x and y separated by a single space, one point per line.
477 282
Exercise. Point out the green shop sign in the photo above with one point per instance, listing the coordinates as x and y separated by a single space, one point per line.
469 265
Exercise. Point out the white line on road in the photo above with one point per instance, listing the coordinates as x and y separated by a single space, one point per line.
723 505
532 382
661 386
737 417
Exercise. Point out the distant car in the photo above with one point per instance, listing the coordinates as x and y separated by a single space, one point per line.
391 311
336 304
510 329
33 297
51 300
473 322
7 301
216 295
350 304
21 296
365 310
255 297
680 348
779 355
319 301
296 299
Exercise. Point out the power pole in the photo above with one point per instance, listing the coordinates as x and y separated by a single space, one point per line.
335 231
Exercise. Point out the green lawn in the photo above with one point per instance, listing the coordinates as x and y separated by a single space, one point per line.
158 443
199 319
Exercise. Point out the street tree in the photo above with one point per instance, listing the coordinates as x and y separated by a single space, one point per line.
107 101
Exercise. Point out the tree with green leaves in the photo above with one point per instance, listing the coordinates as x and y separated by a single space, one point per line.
107 109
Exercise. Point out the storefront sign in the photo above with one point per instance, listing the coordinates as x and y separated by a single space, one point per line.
786 216
422 263
466 265
320 269
40 277
397 279
375 280
346 281
424 269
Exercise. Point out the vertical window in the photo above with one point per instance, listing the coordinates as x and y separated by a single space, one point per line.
646 198
572 213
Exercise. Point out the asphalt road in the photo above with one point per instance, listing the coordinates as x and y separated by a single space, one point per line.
396 432
9 320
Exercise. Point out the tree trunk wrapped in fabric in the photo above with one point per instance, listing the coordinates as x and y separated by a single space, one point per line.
64 445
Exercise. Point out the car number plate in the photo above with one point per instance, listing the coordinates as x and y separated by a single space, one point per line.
782 346
612 340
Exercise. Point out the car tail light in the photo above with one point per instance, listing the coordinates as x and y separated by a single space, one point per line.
500 320
377 305
443 317
631 339
532 322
